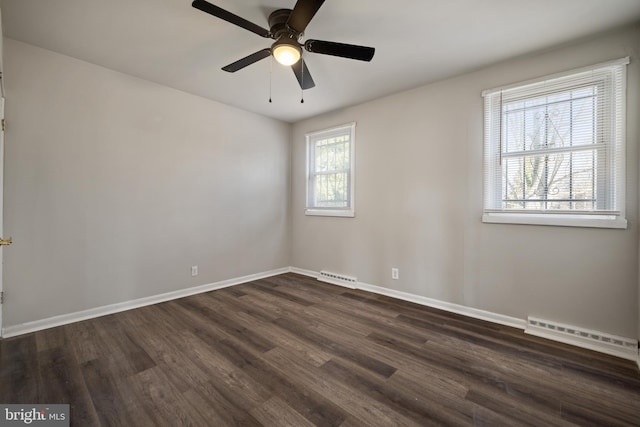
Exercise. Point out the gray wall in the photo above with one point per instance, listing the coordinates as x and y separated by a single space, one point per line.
115 187
419 205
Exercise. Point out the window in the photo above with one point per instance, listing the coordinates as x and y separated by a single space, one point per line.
330 160
554 149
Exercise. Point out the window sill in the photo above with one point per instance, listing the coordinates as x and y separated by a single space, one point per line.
330 212
560 220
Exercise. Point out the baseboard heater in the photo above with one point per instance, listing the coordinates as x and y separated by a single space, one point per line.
338 279
586 338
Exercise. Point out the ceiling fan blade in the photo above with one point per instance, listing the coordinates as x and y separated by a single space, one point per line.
302 74
229 17
361 53
302 13
247 60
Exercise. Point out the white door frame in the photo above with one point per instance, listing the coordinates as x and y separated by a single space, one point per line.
1 196
1 163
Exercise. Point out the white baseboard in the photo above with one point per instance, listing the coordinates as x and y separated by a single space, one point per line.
486 315
446 306
91 313
624 353
614 345
429 302
304 272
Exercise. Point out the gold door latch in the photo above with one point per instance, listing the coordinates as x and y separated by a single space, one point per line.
6 242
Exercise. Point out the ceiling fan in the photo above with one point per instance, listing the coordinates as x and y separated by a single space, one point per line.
287 27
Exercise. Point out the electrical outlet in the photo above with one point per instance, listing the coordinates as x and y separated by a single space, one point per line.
194 270
395 273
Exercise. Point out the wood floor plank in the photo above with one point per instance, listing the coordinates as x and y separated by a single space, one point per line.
262 308
82 338
169 406
332 318
290 350
514 408
344 349
375 322
135 405
107 400
277 412
121 349
306 401
218 410
542 388
588 416
51 338
228 325
235 385
419 407
244 304
282 306
270 286
65 384
284 339
19 370
191 362
354 402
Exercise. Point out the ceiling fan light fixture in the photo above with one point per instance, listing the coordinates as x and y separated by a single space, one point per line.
286 51
286 27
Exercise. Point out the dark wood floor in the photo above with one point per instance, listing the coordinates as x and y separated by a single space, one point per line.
289 350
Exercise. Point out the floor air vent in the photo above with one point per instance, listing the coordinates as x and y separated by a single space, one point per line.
599 341
338 279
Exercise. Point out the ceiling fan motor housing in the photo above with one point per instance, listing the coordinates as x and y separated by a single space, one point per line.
278 24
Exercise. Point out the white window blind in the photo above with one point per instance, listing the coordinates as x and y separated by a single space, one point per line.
330 186
554 149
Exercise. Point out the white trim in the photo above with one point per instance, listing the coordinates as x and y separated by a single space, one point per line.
91 313
621 170
612 76
2 92
326 133
615 341
621 61
336 282
330 212
446 306
349 211
2 145
488 316
622 351
304 272
578 220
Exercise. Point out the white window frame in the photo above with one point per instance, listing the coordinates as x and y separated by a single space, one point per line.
493 141
311 139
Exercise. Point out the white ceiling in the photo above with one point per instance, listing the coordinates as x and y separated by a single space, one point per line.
416 41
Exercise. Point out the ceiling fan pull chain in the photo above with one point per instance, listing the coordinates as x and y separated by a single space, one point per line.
302 82
270 78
